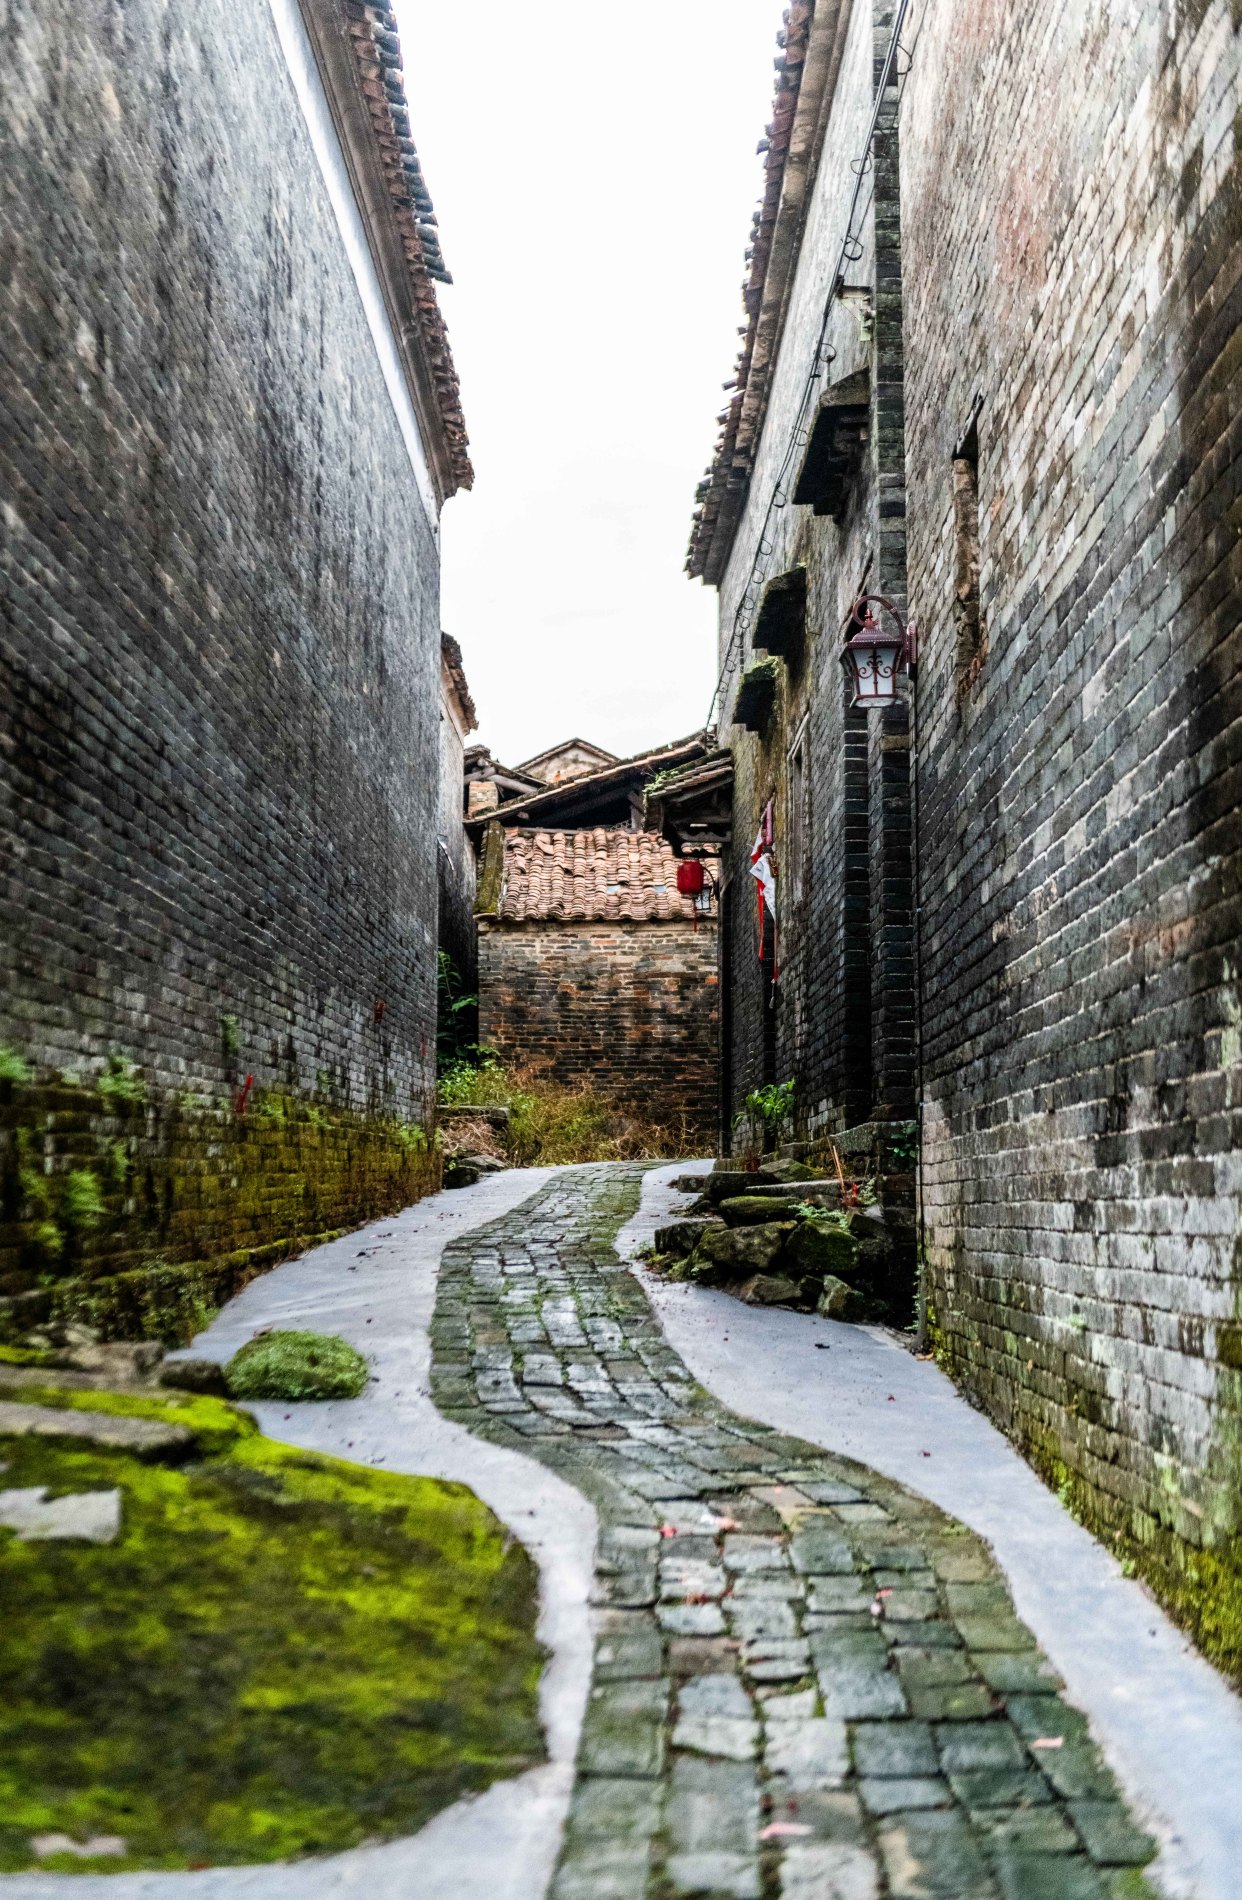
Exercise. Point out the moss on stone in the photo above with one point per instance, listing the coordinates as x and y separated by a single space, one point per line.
282 1655
295 1365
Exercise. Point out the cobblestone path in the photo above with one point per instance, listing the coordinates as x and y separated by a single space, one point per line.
808 1682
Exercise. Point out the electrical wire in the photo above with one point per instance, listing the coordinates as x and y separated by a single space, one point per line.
851 250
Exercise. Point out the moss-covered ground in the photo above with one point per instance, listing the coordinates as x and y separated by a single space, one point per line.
282 1655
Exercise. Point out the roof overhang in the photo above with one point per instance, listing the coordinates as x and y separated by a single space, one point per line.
359 61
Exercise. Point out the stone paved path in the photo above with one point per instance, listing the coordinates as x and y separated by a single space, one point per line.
808 1682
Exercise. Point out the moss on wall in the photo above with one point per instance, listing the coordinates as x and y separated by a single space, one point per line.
283 1654
139 1216
1200 1585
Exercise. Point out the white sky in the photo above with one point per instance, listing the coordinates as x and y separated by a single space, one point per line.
594 174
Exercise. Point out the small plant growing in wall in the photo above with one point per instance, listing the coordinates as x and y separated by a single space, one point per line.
764 1116
121 1087
15 1072
230 1040
81 1203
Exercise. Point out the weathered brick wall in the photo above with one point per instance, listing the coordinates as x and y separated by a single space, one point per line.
842 1023
1071 214
630 1008
218 586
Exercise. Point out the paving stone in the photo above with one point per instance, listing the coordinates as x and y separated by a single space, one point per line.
980 1788
776 1660
616 1809
894 1748
901 1794
623 1733
818 1548
716 1694
808 1754
813 1870
1047 1877
627 1644
690 1619
711 1806
965 1745
1109 1835
832 1594
728 1736
594 1870
934 1856
734 1875
854 1678
745 1552
762 1619
1015 1672
1030 1830
796 1707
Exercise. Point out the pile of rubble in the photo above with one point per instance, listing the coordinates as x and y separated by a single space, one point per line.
782 1235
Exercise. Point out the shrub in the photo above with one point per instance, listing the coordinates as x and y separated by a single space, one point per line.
288 1365
553 1123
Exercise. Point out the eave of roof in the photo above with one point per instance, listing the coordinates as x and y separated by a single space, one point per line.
572 789
450 655
811 46
358 51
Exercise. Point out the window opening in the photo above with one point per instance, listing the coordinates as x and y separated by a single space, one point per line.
967 613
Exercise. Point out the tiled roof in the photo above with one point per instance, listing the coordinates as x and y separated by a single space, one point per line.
584 876
720 493
377 50
554 800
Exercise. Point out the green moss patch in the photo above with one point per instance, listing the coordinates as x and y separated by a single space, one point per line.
289 1365
282 1655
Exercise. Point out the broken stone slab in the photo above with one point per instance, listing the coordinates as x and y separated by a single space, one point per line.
722 1182
145 1437
127 1361
815 1250
91 1516
681 1237
789 1170
195 1374
495 1114
750 1210
735 1253
97 1846
769 1289
837 1300
461 1174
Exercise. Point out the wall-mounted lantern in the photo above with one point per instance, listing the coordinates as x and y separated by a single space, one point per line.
875 652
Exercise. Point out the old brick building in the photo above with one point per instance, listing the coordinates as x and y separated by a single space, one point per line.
990 369
594 968
231 422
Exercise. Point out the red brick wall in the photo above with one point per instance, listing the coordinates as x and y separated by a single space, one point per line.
629 1007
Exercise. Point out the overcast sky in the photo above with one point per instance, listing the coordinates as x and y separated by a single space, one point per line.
594 174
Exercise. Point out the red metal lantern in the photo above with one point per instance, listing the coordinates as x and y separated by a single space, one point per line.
690 876
874 655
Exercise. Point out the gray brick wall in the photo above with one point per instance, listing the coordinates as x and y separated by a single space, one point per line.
628 1008
1071 230
218 583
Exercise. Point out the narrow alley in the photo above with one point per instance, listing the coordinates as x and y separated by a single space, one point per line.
620 900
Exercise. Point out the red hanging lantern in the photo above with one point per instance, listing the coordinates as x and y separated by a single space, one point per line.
875 654
690 876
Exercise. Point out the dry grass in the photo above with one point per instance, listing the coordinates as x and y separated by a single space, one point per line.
551 1123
